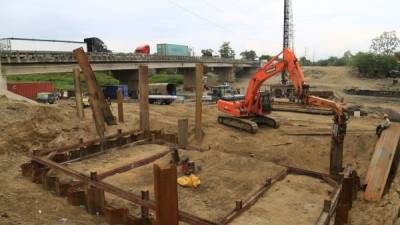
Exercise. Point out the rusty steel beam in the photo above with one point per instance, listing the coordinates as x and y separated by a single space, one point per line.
343 191
133 165
99 184
242 207
140 142
327 213
183 216
88 143
120 169
300 108
310 173
166 194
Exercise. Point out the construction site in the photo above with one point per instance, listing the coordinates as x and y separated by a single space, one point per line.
280 143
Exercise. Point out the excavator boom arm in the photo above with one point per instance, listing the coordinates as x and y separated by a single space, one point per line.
293 67
289 63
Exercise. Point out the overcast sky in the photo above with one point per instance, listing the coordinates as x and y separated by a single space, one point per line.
322 27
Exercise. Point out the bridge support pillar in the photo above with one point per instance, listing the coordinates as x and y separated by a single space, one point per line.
225 74
248 71
130 78
189 78
3 80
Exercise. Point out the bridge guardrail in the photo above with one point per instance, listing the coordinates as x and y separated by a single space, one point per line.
25 57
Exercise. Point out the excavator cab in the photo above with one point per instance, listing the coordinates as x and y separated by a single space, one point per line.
266 102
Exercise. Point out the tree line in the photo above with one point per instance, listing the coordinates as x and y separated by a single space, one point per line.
381 60
226 51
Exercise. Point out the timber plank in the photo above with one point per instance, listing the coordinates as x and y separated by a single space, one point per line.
381 163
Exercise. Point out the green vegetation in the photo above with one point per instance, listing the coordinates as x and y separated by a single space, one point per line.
226 51
372 65
249 55
379 62
266 57
385 44
166 78
207 52
368 64
63 81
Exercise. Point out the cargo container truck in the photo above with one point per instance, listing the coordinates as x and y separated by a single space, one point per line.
172 50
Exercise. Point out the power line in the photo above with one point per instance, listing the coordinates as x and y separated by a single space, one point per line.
250 37
198 15
213 6
209 21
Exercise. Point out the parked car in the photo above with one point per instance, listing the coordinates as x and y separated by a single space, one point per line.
393 73
46 97
85 101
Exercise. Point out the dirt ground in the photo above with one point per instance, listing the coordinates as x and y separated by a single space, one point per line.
234 168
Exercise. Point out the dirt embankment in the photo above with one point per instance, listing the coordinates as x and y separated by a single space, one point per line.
25 127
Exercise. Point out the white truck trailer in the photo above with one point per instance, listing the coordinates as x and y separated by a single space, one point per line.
25 44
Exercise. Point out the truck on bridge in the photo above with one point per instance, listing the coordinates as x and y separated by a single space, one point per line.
92 44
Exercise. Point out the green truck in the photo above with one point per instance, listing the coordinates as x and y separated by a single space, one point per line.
172 50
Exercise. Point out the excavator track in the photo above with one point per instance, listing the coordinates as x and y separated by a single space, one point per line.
249 125
239 123
266 120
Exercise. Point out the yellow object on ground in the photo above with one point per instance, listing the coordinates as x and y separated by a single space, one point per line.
189 181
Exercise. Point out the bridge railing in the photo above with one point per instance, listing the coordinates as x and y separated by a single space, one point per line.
19 57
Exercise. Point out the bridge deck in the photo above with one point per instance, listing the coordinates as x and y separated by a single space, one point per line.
15 57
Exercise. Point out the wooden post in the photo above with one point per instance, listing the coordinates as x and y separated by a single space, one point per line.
120 102
199 96
183 133
78 93
166 195
95 198
144 98
100 108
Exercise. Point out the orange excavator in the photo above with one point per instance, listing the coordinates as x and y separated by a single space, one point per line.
247 114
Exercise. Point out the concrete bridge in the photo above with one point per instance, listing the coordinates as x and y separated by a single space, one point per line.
123 66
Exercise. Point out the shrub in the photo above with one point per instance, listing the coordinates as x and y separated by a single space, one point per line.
372 65
166 78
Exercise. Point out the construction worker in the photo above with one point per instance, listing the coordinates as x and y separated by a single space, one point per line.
383 126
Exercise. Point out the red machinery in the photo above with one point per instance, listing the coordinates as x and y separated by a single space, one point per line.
246 114
143 49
